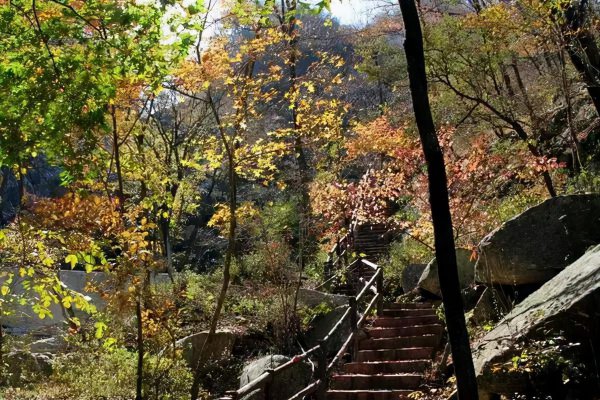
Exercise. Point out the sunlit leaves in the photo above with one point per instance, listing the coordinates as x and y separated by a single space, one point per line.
72 260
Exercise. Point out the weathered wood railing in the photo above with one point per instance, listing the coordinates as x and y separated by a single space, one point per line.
337 258
371 293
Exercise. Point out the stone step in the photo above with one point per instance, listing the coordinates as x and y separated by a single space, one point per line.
371 230
406 306
386 367
382 332
375 382
400 342
393 322
409 353
415 312
368 394
371 246
369 252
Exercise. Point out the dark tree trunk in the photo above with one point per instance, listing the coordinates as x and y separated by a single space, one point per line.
440 207
2 371
582 49
140 350
117 156
289 26
231 247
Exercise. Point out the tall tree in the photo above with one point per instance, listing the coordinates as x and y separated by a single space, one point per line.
440 207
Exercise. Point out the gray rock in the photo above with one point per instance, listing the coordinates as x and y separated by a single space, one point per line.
490 307
466 273
312 298
24 321
51 345
537 244
566 303
284 384
24 367
220 347
411 275
322 324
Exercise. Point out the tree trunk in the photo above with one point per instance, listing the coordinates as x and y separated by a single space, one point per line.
440 208
226 279
229 255
117 155
164 225
2 371
140 349
289 27
582 49
4 177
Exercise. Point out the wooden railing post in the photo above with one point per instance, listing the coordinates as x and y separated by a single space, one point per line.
380 292
328 269
321 372
353 326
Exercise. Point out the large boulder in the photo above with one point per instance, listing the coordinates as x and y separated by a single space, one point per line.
537 244
24 321
313 298
411 275
568 304
490 307
466 272
25 367
220 347
322 324
52 345
284 384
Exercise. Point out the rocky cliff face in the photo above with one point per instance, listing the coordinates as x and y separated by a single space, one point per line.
567 306
539 243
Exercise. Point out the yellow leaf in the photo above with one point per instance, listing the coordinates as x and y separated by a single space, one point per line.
71 259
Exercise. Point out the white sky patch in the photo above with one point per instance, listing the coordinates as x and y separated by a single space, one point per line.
348 12
357 12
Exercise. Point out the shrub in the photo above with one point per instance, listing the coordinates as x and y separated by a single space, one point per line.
98 373
402 253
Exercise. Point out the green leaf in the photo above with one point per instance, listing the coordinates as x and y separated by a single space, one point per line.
100 328
71 259
109 343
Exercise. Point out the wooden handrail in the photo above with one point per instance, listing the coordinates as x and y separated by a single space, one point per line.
337 325
370 264
369 284
351 267
362 319
341 352
319 385
310 389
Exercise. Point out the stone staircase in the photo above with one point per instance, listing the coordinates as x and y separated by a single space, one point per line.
372 240
391 359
